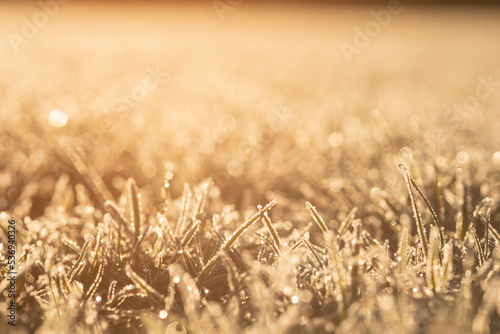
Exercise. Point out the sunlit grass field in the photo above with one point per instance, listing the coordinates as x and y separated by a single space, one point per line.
178 169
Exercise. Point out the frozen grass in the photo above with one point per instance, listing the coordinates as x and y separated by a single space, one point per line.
88 269
260 199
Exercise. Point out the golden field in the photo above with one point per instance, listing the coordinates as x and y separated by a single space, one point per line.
141 144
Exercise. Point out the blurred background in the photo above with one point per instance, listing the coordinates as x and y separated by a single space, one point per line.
269 99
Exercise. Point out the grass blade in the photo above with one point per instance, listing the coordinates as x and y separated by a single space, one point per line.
479 249
135 207
348 221
90 175
247 224
228 243
273 232
81 256
429 206
416 213
186 202
317 218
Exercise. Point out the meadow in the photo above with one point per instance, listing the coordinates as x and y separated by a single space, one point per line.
177 169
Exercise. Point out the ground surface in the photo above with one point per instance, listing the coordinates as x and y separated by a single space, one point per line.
254 105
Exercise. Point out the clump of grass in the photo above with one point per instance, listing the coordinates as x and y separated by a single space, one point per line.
105 252
134 273
193 263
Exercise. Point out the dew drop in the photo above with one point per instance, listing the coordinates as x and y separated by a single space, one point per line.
335 140
163 314
58 118
496 157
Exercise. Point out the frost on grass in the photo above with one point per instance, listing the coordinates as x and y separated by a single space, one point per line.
142 214
194 264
